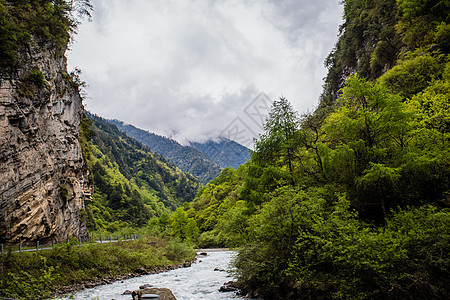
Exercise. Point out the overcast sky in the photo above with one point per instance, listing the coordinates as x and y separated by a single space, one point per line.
196 69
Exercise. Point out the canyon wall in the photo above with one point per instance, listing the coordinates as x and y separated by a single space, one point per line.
44 179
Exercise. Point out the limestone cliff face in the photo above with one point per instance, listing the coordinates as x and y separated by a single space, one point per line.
44 180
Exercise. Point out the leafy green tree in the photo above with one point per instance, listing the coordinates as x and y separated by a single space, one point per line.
432 111
279 143
374 145
233 224
368 113
183 227
413 75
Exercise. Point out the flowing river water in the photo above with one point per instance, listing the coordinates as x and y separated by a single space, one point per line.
200 281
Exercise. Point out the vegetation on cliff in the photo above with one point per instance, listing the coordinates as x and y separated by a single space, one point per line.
33 23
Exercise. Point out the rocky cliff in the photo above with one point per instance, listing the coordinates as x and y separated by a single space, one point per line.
44 180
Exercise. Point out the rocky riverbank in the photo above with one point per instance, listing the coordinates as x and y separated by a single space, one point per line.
200 281
111 279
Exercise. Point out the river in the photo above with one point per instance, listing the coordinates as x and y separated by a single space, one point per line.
200 281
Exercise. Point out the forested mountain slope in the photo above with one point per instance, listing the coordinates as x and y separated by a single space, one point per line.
224 152
186 158
351 201
377 35
132 183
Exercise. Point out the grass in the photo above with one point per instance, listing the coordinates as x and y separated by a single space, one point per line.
39 274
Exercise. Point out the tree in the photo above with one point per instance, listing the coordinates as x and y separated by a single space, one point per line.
366 139
367 112
182 226
412 76
278 145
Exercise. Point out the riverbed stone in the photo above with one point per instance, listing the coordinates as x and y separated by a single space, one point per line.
145 286
230 286
163 293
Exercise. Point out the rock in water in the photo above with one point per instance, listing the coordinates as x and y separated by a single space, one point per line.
44 179
163 293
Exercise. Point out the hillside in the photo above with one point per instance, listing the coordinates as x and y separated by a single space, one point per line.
224 152
132 183
351 201
186 158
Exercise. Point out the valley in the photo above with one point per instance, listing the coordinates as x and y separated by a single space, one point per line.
349 200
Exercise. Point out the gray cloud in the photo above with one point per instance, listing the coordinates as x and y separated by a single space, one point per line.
188 68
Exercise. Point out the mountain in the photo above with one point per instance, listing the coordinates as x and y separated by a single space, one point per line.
224 152
132 183
44 179
186 158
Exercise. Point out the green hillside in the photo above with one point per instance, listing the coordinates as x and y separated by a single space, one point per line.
132 183
351 201
186 158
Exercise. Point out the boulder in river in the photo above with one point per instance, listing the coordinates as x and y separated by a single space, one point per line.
230 286
145 286
163 293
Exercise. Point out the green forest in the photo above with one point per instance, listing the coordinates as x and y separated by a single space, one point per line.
132 184
350 201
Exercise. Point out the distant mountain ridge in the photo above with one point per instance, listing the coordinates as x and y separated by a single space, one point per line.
186 158
203 160
224 152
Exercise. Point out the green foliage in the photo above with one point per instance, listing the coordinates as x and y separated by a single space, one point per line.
32 83
343 231
368 44
278 145
36 275
419 20
86 134
183 227
375 33
309 243
37 282
132 184
414 75
27 23
432 110
64 193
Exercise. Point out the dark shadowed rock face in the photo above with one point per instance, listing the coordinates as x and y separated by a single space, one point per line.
44 180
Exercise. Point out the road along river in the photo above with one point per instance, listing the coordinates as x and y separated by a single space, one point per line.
200 281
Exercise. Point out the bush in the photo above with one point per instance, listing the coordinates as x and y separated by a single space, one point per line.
305 246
